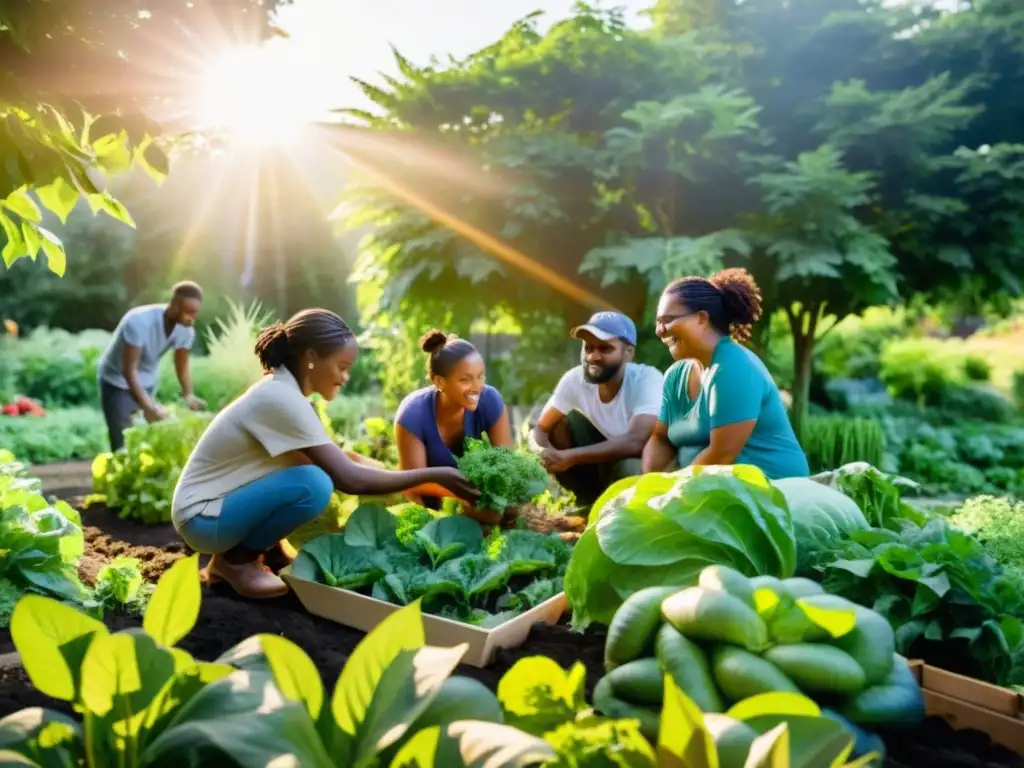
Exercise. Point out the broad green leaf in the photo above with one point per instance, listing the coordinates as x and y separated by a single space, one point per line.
23 205
14 248
245 717
354 691
777 703
294 672
371 525
60 197
104 202
154 161
33 242
538 695
403 692
51 739
473 744
53 640
125 673
174 606
683 740
811 741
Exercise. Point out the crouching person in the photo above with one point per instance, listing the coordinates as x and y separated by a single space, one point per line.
266 465
593 430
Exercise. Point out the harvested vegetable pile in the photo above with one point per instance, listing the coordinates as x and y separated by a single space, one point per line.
447 561
733 637
505 478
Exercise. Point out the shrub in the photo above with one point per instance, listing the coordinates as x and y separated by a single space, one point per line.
58 367
852 349
833 441
976 403
1017 389
922 370
977 368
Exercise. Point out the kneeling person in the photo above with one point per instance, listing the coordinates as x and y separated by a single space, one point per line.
593 430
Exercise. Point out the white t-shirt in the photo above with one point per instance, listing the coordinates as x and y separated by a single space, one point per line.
639 395
248 440
142 327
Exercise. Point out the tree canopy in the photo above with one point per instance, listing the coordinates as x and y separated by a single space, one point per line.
847 152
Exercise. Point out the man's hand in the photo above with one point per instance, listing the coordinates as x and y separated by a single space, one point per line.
456 482
555 461
195 403
155 413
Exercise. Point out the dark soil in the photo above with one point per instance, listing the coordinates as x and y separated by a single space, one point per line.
226 620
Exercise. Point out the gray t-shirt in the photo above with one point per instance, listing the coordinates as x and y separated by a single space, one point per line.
142 327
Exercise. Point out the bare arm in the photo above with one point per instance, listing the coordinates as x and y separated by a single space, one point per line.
184 371
361 480
501 433
540 435
659 451
726 444
412 455
130 366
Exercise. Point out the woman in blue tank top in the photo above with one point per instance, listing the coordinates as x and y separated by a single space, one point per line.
720 404
432 423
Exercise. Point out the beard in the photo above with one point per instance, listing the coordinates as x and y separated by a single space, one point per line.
604 374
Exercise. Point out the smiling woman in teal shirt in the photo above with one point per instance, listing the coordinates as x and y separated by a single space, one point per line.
720 404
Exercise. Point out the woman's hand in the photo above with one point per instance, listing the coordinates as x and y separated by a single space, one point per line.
454 481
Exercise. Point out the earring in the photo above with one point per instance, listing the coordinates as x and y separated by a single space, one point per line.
311 366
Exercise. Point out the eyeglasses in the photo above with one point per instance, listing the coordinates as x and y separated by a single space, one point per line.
666 320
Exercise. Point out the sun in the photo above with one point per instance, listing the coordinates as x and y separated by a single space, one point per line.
259 94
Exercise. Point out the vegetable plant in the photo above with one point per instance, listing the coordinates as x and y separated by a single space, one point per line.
731 638
506 478
139 479
445 561
662 529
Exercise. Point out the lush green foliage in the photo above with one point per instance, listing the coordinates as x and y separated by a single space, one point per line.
61 435
998 523
820 515
664 528
506 478
138 480
832 441
443 561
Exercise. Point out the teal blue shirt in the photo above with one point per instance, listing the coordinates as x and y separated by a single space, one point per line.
736 387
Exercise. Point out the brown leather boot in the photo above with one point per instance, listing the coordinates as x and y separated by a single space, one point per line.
253 579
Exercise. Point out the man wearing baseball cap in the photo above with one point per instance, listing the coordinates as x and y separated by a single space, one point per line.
593 430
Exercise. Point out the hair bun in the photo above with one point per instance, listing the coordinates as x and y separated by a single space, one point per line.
433 340
741 298
272 346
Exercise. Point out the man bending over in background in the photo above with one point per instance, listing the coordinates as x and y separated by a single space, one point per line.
128 369
593 430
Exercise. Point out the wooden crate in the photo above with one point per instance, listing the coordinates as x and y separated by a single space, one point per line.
964 702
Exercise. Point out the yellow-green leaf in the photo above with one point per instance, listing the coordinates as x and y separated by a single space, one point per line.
683 740
56 258
14 248
60 197
32 240
770 750
777 703
174 607
23 205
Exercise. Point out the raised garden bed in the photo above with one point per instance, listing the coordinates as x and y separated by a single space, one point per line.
226 619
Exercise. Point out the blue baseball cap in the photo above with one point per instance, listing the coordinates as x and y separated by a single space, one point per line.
606 326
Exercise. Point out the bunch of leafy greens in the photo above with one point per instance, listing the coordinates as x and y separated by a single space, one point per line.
40 542
10 593
878 495
663 529
120 587
948 600
444 561
139 479
505 478
998 523
821 516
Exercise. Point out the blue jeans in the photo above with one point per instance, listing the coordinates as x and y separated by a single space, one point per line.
258 515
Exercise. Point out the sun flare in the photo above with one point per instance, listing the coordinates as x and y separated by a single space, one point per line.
260 95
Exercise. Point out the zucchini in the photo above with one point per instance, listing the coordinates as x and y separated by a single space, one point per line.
740 674
897 702
791 625
633 626
768 608
818 668
798 587
733 738
641 682
688 666
710 615
871 643
608 705
726 579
